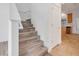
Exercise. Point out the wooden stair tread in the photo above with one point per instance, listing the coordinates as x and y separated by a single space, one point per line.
26 30
22 51
27 34
31 44
27 25
28 48
37 52
30 38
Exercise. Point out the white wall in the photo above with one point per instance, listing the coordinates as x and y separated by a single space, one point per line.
75 25
55 25
40 20
14 30
14 46
24 10
9 26
4 24
46 19
14 13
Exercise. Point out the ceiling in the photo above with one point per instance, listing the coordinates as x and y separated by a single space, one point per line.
69 7
66 7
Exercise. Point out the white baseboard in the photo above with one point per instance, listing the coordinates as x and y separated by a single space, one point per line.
53 46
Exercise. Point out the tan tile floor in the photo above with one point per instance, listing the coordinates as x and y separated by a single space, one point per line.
68 47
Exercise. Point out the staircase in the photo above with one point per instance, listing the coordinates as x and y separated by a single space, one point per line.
30 43
4 48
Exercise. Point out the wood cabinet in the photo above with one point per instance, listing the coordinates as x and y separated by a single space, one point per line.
69 17
68 30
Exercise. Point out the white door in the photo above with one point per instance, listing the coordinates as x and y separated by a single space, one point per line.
55 25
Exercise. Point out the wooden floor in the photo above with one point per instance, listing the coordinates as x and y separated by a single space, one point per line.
69 45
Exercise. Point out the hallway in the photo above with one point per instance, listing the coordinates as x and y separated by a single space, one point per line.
68 47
